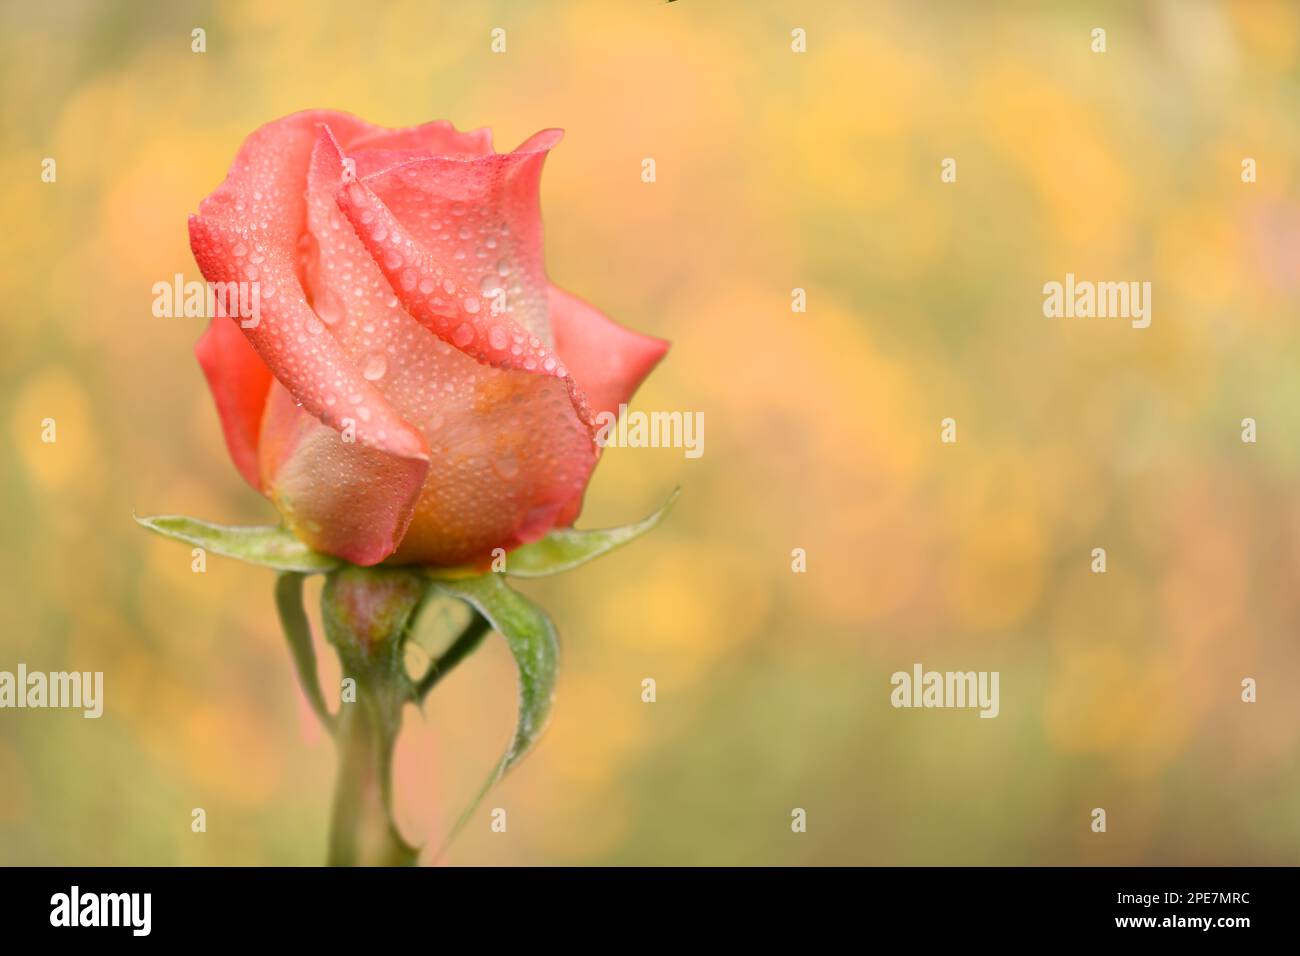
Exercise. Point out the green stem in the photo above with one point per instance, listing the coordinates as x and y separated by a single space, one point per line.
362 832
368 613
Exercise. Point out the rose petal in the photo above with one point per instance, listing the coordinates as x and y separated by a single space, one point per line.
446 296
607 361
264 184
294 343
342 499
509 455
374 151
507 449
511 437
239 381
248 231
480 223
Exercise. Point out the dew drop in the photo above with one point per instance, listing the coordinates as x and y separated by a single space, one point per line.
506 466
375 368
464 335
471 304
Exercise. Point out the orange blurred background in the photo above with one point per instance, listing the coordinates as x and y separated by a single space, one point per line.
775 170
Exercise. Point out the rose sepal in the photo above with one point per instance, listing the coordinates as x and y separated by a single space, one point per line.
268 546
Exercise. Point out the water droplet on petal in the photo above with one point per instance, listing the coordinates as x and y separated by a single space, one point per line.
464 335
375 368
506 466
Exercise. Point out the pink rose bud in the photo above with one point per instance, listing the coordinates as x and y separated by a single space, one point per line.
414 388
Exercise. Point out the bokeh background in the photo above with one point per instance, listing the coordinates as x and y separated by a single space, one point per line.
776 171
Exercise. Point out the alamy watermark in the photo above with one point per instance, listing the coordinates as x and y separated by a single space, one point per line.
75 690
624 429
75 908
923 688
208 300
1098 300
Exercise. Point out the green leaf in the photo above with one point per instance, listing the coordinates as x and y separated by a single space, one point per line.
297 631
270 546
536 650
567 548
563 549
